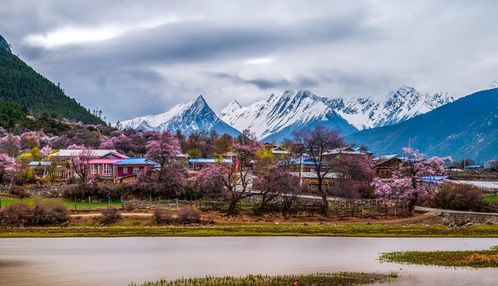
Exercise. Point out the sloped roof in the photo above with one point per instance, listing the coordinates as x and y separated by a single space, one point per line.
209 160
135 161
39 163
312 175
77 152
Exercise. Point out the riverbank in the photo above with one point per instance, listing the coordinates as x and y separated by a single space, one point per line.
469 258
252 229
339 278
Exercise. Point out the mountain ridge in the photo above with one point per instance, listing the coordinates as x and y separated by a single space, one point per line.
465 128
362 113
22 85
191 117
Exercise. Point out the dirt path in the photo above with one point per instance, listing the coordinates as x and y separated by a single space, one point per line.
122 214
414 219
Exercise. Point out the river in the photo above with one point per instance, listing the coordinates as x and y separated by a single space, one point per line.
118 261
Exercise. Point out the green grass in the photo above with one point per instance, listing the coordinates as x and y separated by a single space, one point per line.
345 230
490 199
5 202
475 259
317 279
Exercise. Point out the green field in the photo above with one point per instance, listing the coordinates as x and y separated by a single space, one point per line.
469 258
342 230
5 202
490 199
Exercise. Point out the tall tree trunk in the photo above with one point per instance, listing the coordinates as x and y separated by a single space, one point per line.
323 193
232 208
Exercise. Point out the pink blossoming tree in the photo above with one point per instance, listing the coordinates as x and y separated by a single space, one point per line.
315 143
163 151
8 167
407 183
11 145
81 164
235 177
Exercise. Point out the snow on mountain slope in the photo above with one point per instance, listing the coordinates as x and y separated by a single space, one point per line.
277 113
400 105
191 117
269 116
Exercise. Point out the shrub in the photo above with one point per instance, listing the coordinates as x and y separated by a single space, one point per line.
16 215
49 215
22 215
162 216
110 215
461 197
189 215
92 191
19 192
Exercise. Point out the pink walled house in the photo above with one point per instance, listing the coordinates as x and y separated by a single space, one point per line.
100 164
131 167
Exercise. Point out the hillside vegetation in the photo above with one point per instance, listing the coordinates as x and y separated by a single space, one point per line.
21 85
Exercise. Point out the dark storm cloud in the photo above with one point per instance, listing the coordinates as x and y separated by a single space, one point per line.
260 83
266 83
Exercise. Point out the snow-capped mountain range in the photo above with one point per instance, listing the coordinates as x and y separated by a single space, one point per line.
275 118
399 105
191 117
267 117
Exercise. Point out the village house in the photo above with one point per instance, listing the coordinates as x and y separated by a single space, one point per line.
132 167
311 179
40 168
346 152
386 164
199 163
100 161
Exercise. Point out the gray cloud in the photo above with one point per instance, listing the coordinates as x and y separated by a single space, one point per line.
131 58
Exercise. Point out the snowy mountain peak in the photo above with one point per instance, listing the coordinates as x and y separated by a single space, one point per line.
299 107
281 113
194 116
399 105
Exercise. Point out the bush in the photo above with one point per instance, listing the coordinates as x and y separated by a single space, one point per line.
162 216
19 192
461 197
16 215
49 215
110 215
22 215
188 215
92 191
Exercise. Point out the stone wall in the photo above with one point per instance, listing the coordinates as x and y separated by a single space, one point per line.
461 218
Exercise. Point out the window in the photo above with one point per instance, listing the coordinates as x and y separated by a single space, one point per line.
125 170
107 170
136 170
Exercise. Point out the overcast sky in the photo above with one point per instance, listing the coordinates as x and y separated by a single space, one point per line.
131 58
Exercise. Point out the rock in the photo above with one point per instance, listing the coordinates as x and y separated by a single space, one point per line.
490 222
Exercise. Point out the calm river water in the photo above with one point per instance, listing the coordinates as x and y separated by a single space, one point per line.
118 261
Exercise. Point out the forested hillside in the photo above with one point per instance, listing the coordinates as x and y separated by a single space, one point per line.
20 84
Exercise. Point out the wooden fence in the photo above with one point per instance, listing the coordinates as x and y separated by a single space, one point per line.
337 207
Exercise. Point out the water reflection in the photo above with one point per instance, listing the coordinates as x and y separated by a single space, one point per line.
117 261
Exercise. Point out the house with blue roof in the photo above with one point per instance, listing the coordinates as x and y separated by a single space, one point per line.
199 163
132 167
40 168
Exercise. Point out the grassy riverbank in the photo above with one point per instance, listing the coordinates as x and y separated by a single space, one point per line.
70 205
475 259
339 278
252 229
